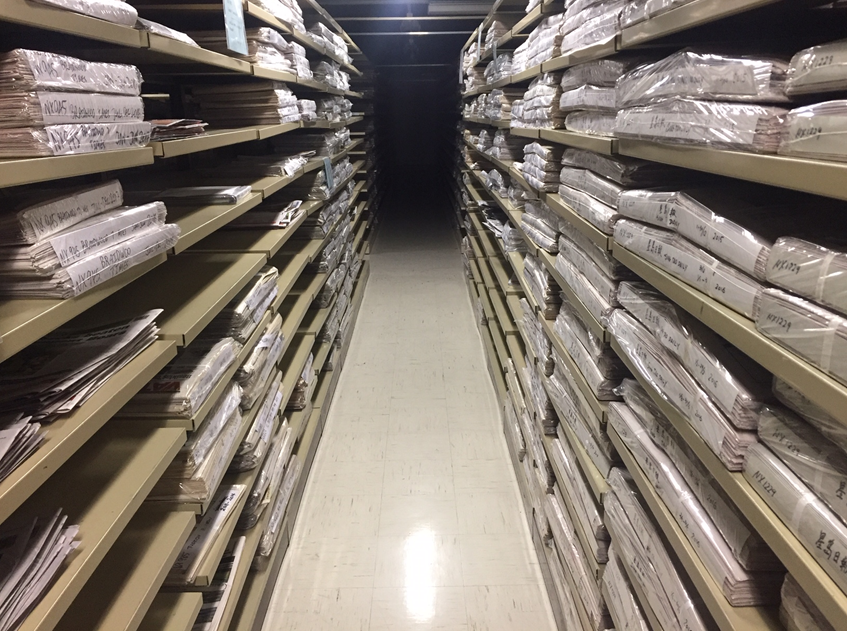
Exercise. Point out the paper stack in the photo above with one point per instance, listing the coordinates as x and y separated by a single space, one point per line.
240 317
265 47
242 105
216 598
269 536
115 11
176 129
267 483
255 445
543 287
56 105
541 225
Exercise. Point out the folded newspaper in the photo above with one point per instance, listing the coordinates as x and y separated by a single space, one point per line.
240 317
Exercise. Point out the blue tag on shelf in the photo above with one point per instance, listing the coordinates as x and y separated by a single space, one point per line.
236 34
330 183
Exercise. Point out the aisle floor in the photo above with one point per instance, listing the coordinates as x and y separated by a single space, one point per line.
411 517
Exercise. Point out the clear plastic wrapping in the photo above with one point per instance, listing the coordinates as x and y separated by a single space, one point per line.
588 97
23 70
746 544
818 69
537 339
682 259
606 288
816 131
254 446
792 398
621 169
610 266
513 428
601 72
810 270
797 612
820 531
240 317
637 540
543 286
253 388
115 11
38 109
623 604
271 532
572 329
592 123
676 386
741 588
708 76
588 295
544 410
732 380
181 388
601 189
267 482
734 126
540 233
815 334
600 215
74 139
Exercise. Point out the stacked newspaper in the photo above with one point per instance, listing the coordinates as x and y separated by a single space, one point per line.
19 438
250 371
255 443
797 611
61 371
269 215
201 540
280 505
265 47
240 317
536 339
182 387
205 195
543 287
176 129
323 144
626 610
57 105
34 550
267 483
541 166
256 103
818 69
265 363
217 596
302 393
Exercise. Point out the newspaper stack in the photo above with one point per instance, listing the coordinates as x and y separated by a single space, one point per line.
267 483
589 95
542 44
541 166
668 377
240 317
497 29
640 546
543 287
176 129
498 68
322 184
279 507
541 225
322 144
54 105
330 73
818 69
288 12
334 109
506 147
251 452
217 596
536 338
624 606
205 195
475 77
740 587
331 253
61 371
115 11
302 393
797 611
332 42
498 104
747 546
62 245
331 285
308 110
202 539
540 107
19 439
589 23
34 551
183 386
513 427
261 363
265 47
319 225
242 105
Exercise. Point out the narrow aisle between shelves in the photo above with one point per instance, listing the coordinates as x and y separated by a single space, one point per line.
411 517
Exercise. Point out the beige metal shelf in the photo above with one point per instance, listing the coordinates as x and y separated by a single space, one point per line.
820 177
274 75
504 317
212 139
652 620
198 222
293 362
589 53
199 286
259 241
66 435
59 20
477 277
269 131
30 170
600 408
289 274
525 132
501 124
294 308
498 268
22 322
598 144
727 617
686 17
172 612
499 344
112 474
809 574
181 52
742 333
119 593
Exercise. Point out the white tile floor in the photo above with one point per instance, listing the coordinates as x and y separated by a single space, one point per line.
411 517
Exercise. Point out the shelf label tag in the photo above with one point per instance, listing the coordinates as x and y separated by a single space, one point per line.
495 49
479 42
330 184
236 34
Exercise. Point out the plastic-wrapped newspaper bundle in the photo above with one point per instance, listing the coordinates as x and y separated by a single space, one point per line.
156 28
797 612
320 184
257 103
498 68
592 123
601 189
182 387
575 564
624 607
506 147
334 109
265 47
543 43
255 444
544 410
273 214
740 587
330 73
737 384
816 131
674 384
308 110
627 172
267 483
498 104
537 339
498 28
513 428
543 286
601 215
813 414
115 11
318 225
719 125
593 274
602 73
638 541
596 304
240 317
302 393
266 360
333 42
541 225
588 97
249 372
707 76
280 506
563 590
541 166
691 264
747 546
818 69
494 182
58 105
475 77
541 103
575 489
588 25
816 526
286 11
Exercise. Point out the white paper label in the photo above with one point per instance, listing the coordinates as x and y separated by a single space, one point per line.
88 138
59 108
